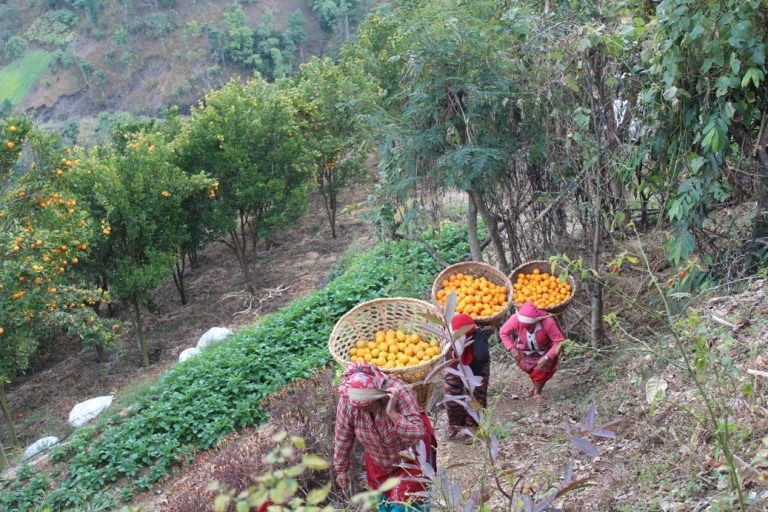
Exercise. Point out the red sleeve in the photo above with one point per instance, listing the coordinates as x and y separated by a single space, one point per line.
506 330
344 437
555 335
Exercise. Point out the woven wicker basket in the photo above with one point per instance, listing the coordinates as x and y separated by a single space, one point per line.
477 269
362 322
545 266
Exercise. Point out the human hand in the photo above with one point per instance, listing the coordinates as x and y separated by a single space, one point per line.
515 353
542 362
343 480
394 396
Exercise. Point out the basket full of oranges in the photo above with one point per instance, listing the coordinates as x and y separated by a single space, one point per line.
537 282
391 334
482 291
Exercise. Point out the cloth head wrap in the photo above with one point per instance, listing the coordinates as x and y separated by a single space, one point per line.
362 384
459 320
528 314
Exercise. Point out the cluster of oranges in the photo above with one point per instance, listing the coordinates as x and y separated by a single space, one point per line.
542 289
476 297
394 349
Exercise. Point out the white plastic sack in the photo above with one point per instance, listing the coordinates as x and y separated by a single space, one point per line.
213 336
188 352
84 412
40 446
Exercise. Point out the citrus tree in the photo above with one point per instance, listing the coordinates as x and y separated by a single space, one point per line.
44 234
333 99
249 138
136 195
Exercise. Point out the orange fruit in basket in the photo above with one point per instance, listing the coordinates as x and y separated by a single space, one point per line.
541 288
397 349
475 296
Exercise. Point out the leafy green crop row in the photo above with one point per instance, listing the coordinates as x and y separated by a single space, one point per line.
198 402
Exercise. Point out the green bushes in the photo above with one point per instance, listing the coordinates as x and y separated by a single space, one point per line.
200 401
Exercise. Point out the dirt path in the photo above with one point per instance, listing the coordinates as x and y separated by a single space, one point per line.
525 429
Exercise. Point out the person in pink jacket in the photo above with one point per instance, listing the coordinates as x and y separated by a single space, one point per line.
532 337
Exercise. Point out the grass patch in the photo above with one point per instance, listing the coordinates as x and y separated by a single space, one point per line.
21 75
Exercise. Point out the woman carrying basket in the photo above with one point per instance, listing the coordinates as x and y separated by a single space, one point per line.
533 338
383 415
476 355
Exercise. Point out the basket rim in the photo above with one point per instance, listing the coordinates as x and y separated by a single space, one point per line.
393 372
556 308
485 320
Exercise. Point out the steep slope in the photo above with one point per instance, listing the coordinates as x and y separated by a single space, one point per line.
139 56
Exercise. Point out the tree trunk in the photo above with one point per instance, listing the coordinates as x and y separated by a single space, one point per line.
474 243
600 126
3 458
7 416
178 278
101 354
237 244
760 223
329 198
594 286
140 333
104 288
493 229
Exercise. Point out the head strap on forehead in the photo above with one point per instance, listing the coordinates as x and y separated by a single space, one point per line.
363 383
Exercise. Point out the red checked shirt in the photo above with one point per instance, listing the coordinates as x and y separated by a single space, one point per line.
382 440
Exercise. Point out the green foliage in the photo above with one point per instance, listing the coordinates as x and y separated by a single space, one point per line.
20 76
137 195
239 47
15 47
248 137
43 237
296 31
705 101
26 491
53 29
198 402
334 97
331 11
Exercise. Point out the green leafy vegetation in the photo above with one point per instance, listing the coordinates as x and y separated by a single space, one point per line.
20 76
198 402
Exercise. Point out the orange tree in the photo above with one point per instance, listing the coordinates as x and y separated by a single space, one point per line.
44 234
249 138
136 194
332 97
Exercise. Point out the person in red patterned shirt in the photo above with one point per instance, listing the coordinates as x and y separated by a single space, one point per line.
533 338
385 418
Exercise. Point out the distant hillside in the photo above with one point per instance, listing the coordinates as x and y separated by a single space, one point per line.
139 56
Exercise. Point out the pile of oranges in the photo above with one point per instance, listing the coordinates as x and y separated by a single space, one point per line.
476 297
394 349
542 289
